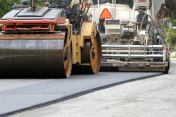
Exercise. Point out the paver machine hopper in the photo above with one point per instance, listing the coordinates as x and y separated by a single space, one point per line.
48 40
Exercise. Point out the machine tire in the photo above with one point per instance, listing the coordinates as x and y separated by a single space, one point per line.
96 54
167 68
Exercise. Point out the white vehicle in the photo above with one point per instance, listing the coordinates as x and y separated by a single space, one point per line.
130 39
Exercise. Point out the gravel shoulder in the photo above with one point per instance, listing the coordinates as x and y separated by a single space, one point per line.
153 97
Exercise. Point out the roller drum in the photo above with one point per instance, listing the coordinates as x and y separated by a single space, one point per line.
32 57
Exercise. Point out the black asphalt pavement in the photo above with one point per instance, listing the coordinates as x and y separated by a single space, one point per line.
41 94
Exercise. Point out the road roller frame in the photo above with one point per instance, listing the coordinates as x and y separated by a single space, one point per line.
36 46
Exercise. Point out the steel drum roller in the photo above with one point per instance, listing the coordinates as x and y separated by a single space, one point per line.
32 57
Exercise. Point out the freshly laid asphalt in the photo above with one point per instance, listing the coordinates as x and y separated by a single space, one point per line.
17 99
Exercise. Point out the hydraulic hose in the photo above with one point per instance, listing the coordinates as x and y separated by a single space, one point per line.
163 39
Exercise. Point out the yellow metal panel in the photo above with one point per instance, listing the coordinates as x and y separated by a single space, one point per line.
87 29
87 32
78 49
74 49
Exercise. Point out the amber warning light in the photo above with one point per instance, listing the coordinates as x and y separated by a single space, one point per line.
105 14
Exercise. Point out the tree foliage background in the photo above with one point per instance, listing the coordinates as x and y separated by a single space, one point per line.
168 11
6 6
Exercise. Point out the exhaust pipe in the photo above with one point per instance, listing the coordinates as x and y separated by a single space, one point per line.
32 2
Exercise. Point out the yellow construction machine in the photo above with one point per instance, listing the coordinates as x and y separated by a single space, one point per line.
48 40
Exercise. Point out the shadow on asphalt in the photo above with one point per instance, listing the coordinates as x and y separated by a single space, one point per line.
109 69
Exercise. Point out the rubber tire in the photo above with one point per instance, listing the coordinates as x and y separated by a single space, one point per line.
167 68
